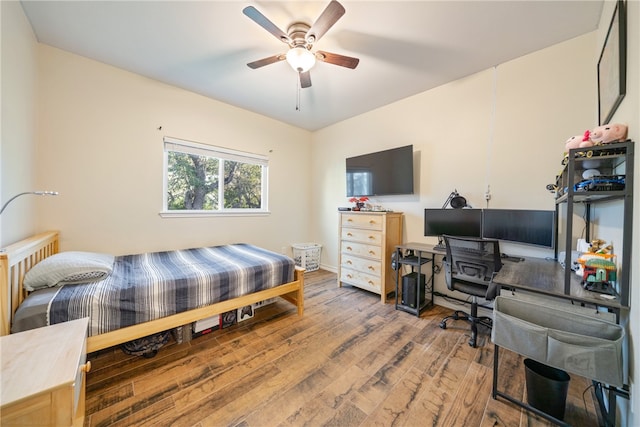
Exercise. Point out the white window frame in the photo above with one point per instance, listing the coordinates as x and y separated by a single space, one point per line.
190 147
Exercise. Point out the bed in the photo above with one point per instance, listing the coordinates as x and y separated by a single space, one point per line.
181 308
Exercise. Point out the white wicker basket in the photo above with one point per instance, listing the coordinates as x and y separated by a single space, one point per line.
307 255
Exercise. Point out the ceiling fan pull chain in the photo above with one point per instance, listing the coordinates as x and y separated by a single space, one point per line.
297 94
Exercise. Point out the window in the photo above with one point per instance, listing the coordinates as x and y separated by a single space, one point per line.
203 179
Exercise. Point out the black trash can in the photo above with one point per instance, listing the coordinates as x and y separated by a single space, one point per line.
546 388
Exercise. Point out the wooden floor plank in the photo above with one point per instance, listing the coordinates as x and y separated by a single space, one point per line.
398 406
467 409
349 361
499 413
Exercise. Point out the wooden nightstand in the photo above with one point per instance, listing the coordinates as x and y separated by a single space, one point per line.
43 375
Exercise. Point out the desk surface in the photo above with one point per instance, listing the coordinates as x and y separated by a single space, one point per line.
538 275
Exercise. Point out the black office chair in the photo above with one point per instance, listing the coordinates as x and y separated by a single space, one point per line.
470 266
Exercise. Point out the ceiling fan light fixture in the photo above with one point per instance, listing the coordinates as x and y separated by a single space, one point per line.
301 59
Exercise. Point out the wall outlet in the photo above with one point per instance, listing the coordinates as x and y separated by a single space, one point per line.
487 194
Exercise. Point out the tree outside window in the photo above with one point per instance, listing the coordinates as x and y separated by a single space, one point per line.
211 179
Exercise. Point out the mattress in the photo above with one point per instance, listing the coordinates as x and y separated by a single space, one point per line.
153 285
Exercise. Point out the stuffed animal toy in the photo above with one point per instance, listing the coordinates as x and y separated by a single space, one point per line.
606 134
598 247
579 141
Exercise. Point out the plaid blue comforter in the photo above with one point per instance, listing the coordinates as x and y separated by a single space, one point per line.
150 286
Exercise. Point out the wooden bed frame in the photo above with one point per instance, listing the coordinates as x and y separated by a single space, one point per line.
20 257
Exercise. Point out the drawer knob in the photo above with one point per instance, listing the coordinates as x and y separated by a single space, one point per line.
349 276
372 268
349 248
349 234
372 237
372 252
86 367
372 222
371 282
349 262
349 220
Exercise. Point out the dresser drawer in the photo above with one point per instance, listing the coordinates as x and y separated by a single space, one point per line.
372 237
361 280
362 264
361 249
371 222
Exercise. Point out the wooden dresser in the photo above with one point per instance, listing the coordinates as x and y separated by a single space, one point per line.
43 375
367 240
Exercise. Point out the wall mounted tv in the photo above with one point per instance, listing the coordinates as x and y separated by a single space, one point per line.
381 173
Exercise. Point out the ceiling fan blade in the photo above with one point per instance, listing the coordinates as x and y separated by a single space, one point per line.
305 79
327 18
336 59
264 22
265 61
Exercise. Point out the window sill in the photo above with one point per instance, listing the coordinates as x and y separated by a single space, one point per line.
204 214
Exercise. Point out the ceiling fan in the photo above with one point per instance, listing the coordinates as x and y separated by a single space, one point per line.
300 37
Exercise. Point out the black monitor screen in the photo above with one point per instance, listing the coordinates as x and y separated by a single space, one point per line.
453 222
533 227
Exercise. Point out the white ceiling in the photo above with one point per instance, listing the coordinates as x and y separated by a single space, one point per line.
404 47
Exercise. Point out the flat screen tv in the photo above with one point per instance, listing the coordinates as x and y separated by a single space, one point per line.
453 222
532 227
382 173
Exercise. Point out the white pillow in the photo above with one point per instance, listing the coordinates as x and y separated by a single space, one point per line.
67 268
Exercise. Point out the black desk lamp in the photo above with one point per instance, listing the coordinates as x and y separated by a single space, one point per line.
456 201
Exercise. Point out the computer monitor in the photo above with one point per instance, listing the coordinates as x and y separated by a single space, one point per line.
532 227
453 222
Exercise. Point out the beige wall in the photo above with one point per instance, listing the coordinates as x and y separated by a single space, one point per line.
100 147
540 101
18 138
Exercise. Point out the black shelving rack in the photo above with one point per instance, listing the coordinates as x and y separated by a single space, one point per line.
615 161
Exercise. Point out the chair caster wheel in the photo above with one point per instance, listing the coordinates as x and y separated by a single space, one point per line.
472 343
443 325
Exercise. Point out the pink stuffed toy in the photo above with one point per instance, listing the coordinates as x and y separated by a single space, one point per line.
578 141
606 134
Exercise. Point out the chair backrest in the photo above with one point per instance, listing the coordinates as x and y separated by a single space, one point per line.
471 259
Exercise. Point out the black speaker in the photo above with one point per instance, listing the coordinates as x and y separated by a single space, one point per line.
410 286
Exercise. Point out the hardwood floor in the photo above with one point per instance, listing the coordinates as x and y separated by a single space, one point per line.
349 361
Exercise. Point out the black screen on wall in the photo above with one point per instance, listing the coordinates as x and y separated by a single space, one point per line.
381 173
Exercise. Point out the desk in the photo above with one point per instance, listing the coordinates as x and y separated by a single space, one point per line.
542 277
546 277
536 275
